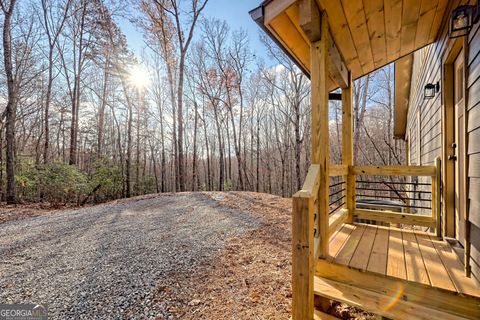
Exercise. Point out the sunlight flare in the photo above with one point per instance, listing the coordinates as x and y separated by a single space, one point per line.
139 77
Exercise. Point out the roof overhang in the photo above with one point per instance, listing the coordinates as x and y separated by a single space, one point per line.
403 77
258 15
368 34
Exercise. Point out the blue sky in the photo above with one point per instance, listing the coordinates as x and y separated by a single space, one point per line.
235 12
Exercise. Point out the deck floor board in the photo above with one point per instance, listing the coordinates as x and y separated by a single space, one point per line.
338 240
379 255
455 269
362 253
345 254
415 266
437 273
396 255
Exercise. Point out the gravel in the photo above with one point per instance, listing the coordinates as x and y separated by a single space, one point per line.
113 261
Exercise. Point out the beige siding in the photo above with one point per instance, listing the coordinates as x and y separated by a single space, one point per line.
426 141
473 130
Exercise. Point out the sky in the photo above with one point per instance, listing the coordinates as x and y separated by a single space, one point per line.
235 12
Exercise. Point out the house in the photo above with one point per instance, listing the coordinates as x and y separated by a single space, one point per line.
425 264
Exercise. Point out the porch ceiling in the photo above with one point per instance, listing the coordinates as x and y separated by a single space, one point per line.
369 34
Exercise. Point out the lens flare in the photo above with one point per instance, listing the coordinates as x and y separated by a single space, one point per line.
139 77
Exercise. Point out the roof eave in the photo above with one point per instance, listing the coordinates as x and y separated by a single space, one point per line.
258 15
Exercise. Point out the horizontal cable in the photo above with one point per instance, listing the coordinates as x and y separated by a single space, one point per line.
336 200
401 183
390 197
394 205
337 192
373 189
336 184
340 206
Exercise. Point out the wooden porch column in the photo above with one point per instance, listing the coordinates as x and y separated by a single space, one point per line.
320 135
347 145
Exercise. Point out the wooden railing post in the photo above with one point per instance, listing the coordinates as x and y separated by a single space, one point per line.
436 204
302 256
347 146
305 245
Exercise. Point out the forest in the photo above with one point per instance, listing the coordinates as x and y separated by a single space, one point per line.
86 119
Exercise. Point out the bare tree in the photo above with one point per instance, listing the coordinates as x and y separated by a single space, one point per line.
10 110
54 17
183 29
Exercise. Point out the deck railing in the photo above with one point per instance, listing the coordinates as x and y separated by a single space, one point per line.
309 229
338 213
417 200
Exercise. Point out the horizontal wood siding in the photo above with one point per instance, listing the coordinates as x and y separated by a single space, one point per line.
473 131
425 143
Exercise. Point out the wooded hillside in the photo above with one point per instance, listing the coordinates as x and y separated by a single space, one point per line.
85 118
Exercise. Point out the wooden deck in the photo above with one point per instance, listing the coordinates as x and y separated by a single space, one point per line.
372 266
408 255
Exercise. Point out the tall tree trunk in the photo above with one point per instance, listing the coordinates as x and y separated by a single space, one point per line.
162 137
194 165
174 129
154 161
237 146
220 151
47 104
10 110
229 171
361 107
181 168
207 147
137 154
128 168
257 151
101 110
298 145
76 91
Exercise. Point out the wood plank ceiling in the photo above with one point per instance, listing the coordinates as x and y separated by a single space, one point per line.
369 34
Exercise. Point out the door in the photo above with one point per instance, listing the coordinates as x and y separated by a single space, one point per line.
459 110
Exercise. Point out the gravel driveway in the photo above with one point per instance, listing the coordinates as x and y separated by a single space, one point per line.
109 261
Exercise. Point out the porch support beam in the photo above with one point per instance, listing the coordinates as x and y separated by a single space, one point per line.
310 22
314 24
337 67
320 136
347 146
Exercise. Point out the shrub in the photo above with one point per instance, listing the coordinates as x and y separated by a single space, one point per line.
56 182
62 183
110 179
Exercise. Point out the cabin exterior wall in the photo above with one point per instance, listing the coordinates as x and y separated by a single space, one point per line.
473 131
424 133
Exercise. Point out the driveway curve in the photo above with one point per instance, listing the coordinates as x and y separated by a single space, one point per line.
109 261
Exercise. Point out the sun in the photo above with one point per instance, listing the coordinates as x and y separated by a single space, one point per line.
139 77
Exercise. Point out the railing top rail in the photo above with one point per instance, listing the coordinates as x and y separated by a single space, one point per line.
337 170
311 184
428 171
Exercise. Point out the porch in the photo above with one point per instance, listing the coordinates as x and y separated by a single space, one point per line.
392 272
401 269
387 257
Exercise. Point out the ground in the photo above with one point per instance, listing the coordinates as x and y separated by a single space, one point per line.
207 255
189 256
